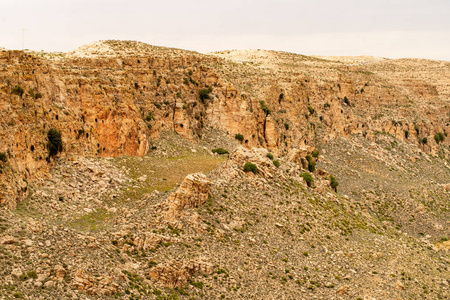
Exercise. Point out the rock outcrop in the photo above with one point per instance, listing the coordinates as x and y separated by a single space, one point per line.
192 192
177 273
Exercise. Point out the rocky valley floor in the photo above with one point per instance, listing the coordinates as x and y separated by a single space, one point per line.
184 223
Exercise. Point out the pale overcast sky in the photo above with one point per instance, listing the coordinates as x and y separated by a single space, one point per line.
388 28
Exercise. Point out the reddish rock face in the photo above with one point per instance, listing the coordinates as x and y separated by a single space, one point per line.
112 98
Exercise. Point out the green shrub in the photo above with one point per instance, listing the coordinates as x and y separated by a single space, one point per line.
204 94
55 144
416 128
220 151
311 110
311 163
308 178
281 97
276 163
315 153
17 90
32 274
264 107
239 137
424 140
333 183
249 167
269 155
406 134
286 126
34 95
149 117
439 137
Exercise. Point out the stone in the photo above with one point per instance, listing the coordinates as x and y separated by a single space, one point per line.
7 240
193 191
343 290
60 272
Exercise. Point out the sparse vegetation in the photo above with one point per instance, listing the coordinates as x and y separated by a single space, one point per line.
34 95
308 178
264 107
204 94
439 137
311 163
250 167
276 163
269 155
333 183
239 137
220 151
17 90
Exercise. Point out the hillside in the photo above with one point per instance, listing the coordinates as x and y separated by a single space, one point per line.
137 206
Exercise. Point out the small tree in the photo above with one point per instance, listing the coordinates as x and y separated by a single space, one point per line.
18 90
204 94
311 163
264 107
308 178
249 167
439 137
333 183
239 137
55 144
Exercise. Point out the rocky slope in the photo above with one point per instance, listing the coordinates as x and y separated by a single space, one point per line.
102 218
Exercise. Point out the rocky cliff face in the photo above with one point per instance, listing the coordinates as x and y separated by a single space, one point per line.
112 98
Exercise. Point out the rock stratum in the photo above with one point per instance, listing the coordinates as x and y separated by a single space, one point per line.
105 217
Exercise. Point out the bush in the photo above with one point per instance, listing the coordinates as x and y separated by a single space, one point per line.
424 140
311 110
220 151
406 134
264 107
333 183
269 155
34 95
308 178
315 153
276 163
249 167
286 126
239 137
55 144
439 137
17 90
311 163
149 117
204 94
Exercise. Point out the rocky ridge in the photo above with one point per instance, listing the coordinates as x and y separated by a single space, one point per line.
138 205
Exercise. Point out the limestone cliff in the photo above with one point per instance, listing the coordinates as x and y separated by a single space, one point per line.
111 98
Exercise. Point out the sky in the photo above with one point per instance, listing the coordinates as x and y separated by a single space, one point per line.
386 28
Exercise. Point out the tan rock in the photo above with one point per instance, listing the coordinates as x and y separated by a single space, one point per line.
7 240
193 191
176 273
343 290
60 272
